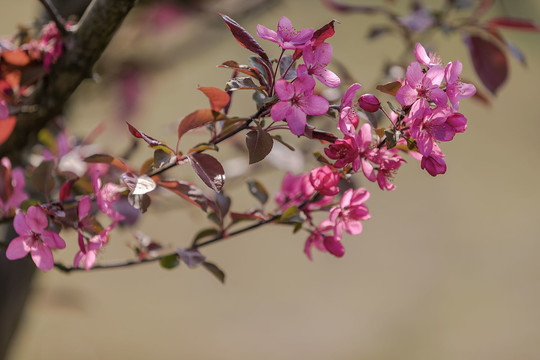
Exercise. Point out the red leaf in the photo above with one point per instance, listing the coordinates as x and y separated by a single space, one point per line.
187 191
209 170
233 65
243 37
218 98
259 144
197 119
6 128
513 23
489 62
149 140
65 190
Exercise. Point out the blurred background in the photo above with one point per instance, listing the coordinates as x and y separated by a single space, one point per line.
447 268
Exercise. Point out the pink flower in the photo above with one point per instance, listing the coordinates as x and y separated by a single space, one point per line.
423 58
315 64
297 101
321 239
345 152
350 212
88 252
420 88
434 163
348 118
12 189
324 180
285 37
50 44
389 162
363 139
106 196
34 239
295 189
455 89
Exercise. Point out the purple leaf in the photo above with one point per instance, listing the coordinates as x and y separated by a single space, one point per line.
209 170
259 144
489 62
191 257
243 37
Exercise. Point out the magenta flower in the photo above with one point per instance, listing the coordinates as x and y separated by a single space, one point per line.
344 151
423 58
106 197
317 238
348 118
363 139
455 89
285 37
434 164
297 101
420 88
350 212
433 127
88 252
295 189
389 162
12 189
34 238
315 65
324 180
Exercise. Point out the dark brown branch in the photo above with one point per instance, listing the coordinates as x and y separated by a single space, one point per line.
82 48
55 16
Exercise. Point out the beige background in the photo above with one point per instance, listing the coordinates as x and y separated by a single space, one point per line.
446 269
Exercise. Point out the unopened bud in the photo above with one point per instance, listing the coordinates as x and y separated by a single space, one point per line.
369 103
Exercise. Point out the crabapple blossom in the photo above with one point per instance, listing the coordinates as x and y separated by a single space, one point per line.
423 58
324 180
350 212
316 61
348 118
455 89
34 238
106 197
296 101
344 151
420 88
12 192
389 162
434 164
285 36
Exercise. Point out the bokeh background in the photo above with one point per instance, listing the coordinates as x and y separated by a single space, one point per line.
447 268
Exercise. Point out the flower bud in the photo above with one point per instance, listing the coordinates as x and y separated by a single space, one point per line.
369 103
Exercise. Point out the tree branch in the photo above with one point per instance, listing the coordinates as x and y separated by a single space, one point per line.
82 48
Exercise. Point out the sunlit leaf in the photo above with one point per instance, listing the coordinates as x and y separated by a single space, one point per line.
242 83
138 185
197 119
209 170
218 98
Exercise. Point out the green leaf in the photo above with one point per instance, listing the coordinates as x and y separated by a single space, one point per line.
169 261
209 232
214 270
257 189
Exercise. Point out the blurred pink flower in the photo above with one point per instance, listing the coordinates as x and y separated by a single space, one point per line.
34 238
12 188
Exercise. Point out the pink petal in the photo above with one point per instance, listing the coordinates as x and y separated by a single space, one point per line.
83 207
334 246
36 219
52 239
452 72
323 54
19 223
328 78
353 227
314 105
302 37
346 198
349 95
90 259
367 169
443 132
425 143
284 89
308 55
406 95
285 29
280 110
414 74
467 90
77 259
438 96
421 55
267 34
359 196
458 122
435 76
302 71
303 84
43 257
17 249
296 119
